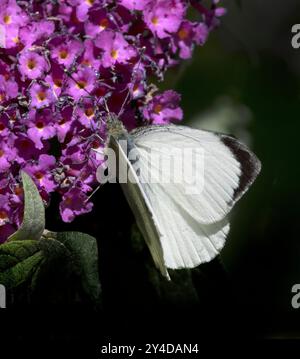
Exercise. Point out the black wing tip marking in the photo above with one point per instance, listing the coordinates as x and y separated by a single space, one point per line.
250 164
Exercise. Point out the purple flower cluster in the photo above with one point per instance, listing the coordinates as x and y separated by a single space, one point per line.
63 65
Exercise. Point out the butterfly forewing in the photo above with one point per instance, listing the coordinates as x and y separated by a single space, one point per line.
140 206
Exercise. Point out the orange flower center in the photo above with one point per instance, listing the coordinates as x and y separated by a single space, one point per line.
154 20
16 40
7 19
63 54
157 108
182 34
41 96
38 175
40 125
114 54
89 112
1 153
81 84
3 215
18 191
62 122
58 83
104 23
31 64
135 88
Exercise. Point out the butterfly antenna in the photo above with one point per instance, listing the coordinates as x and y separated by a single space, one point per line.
124 103
109 113
93 193
142 51
106 107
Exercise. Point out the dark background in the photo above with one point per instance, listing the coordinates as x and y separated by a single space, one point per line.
244 81
250 62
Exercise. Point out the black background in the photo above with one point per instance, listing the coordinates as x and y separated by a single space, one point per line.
242 297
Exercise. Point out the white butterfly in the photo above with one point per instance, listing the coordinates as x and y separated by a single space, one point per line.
183 229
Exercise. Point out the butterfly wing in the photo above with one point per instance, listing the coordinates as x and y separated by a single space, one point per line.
184 229
192 226
186 243
140 206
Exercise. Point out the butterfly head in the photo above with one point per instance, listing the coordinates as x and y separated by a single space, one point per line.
114 126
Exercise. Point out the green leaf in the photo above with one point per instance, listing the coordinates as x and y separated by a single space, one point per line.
36 268
34 213
84 256
54 249
19 260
